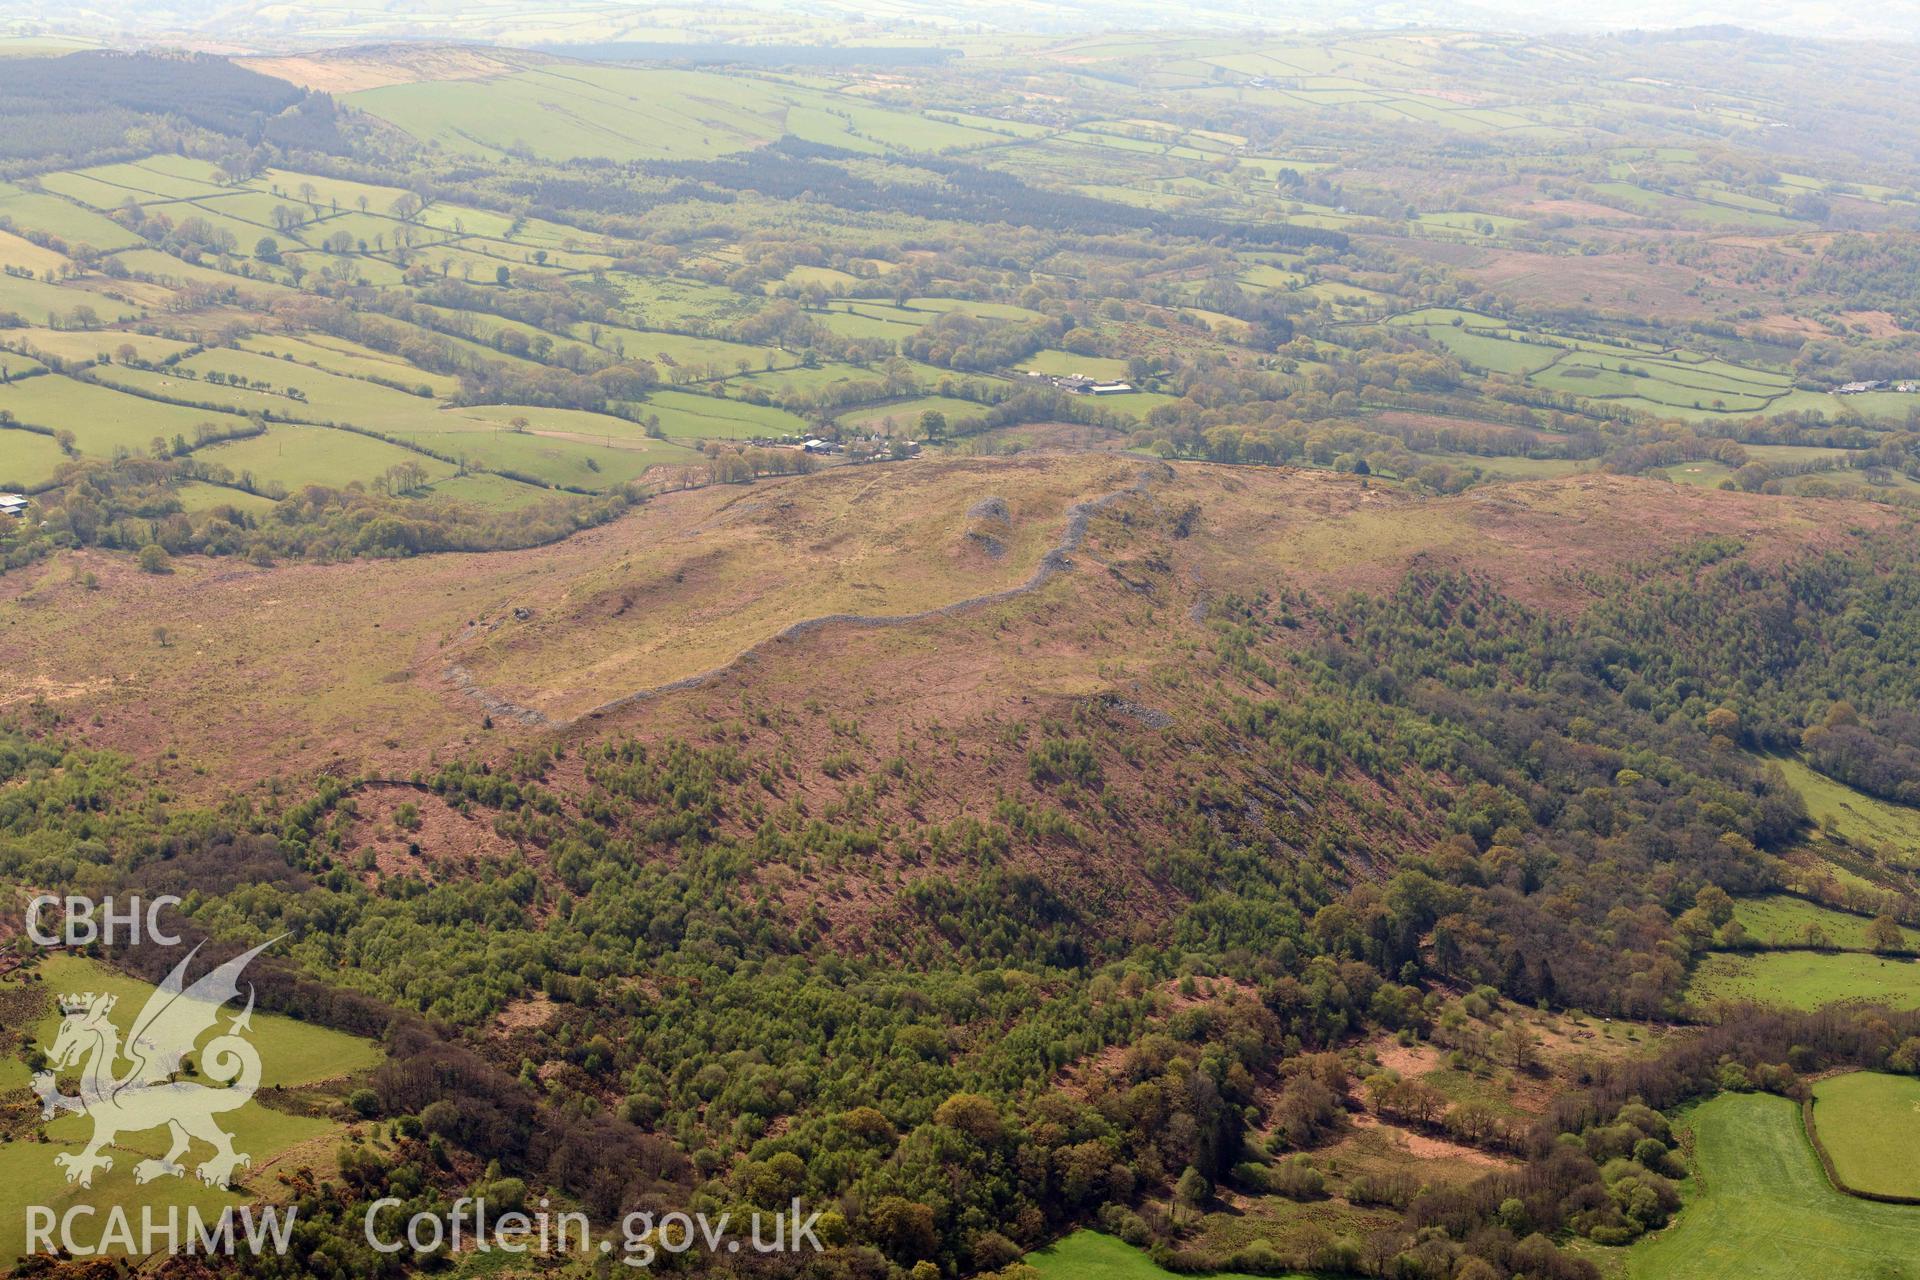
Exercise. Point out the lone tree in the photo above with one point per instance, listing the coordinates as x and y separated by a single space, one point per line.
1193 1189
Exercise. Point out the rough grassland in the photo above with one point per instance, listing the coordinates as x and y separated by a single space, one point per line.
1856 818
1534 537
711 573
1870 1126
1778 920
1806 979
883 540
1762 1209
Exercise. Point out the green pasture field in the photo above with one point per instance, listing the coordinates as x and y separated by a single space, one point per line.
1762 1208
478 261
198 495
1705 474
1350 297
1778 920
522 248
169 385
377 229
1715 208
485 328
95 192
1491 352
857 125
1063 363
1672 384
331 397
1581 378
613 112
554 235
1264 275
87 344
249 205
973 307
294 457
1511 465
660 300
1794 454
484 223
1136 406
348 359
28 1171
27 459
478 489
691 416
246 231
292 1054
801 380
41 211
830 277
17 251
905 415
101 418
366 269
1806 979
1853 816
1091 1255
581 464
1468 222
327 190
163 177
463 347
670 350
1222 324
37 302
863 318
572 422
1870 1125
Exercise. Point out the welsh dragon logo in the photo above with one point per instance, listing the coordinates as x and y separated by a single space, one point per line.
148 1094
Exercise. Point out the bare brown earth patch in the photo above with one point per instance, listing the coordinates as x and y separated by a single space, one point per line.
1425 1147
1609 281
1579 211
410 832
529 1013
1790 326
1878 324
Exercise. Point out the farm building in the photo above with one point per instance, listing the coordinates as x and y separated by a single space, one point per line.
1080 384
13 504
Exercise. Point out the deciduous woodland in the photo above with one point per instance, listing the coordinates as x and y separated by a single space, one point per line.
1089 650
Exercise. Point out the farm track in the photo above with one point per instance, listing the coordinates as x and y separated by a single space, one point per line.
1057 560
